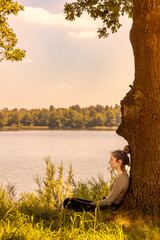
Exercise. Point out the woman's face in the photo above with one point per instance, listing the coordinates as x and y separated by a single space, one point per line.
114 164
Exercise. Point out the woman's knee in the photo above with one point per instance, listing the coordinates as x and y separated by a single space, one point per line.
66 202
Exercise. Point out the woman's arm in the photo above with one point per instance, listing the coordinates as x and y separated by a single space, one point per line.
119 185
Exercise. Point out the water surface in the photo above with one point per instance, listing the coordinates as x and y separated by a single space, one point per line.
22 153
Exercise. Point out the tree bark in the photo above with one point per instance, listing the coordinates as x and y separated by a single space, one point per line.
140 124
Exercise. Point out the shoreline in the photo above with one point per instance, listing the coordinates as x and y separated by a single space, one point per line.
32 128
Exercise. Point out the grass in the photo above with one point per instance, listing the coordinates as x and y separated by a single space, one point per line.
41 216
71 225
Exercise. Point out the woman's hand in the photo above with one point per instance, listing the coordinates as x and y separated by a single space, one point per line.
93 203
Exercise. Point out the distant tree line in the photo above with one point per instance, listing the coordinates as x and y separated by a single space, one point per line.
72 117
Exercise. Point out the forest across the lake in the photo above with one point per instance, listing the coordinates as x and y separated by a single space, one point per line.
74 117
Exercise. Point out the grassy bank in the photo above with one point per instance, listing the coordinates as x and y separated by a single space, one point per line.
40 215
70 225
22 128
76 226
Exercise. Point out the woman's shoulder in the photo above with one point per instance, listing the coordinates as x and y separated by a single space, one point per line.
123 181
123 177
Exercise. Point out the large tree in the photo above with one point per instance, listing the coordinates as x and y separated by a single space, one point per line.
140 124
8 38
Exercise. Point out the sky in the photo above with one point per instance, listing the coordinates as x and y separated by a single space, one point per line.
66 63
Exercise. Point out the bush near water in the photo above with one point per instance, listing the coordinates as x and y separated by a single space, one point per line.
40 215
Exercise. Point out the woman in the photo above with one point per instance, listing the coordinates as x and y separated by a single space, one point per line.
118 160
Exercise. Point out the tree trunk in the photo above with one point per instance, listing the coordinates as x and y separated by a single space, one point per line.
140 124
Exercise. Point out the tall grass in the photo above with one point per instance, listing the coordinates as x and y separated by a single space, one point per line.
41 215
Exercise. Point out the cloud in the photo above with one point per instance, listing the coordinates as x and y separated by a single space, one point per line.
64 86
44 17
83 34
40 16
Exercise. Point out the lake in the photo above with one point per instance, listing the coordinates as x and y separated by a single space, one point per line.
22 154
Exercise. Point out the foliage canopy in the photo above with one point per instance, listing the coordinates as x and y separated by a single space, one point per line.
73 117
109 11
8 38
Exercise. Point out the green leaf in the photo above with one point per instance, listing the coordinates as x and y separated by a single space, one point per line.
8 38
109 11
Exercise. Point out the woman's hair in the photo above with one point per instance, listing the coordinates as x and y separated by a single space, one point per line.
122 155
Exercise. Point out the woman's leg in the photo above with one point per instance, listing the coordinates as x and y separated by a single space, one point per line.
78 204
84 200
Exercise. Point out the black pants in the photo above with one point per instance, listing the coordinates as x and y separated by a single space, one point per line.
79 205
